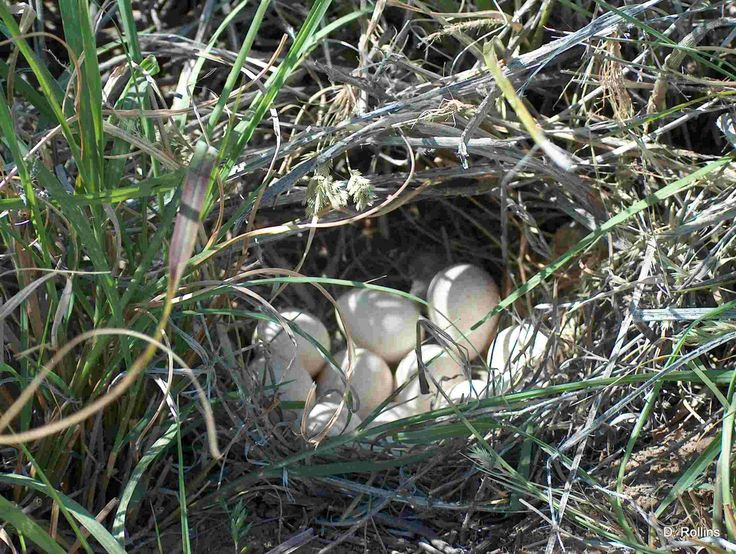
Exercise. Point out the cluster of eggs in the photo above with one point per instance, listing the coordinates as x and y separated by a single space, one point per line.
383 328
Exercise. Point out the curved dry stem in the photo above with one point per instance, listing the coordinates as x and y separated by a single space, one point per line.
99 404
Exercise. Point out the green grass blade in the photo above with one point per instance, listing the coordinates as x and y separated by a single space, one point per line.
31 95
10 137
603 230
80 37
50 88
188 79
635 433
243 132
141 85
54 494
130 31
724 464
692 474
10 513
183 510
127 496
235 71
134 96
87 520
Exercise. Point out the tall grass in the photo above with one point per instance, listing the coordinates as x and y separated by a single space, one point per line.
96 202
152 210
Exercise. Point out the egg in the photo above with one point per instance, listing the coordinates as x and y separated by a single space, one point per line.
321 414
444 368
292 383
372 381
468 390
514 349
381 322
392 414
277 339
460 296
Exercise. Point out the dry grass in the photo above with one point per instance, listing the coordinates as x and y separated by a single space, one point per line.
587 171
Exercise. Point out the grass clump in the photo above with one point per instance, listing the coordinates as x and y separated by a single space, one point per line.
173 171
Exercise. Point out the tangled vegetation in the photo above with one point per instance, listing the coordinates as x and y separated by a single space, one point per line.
175 171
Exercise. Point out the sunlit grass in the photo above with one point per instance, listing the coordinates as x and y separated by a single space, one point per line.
154 206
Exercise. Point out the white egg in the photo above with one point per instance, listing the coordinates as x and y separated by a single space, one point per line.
390 415
460 296
443 367
277 339
380 322
292 383
321 414
514 349
372 381
469 390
